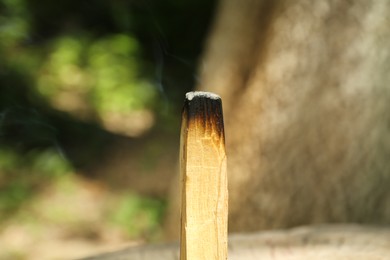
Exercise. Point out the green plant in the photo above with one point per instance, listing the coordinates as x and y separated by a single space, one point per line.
139 216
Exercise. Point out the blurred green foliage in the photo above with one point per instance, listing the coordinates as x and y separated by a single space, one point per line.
67 66
23 175
14 22
102 75
139 216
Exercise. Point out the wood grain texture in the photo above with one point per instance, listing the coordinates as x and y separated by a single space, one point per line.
204 192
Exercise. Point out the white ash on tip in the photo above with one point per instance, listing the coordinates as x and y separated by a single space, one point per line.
191 95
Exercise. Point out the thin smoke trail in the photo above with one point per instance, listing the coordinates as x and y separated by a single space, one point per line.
161 51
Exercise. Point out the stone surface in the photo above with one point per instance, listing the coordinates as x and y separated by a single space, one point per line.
312 242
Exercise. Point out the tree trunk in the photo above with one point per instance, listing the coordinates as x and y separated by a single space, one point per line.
305 88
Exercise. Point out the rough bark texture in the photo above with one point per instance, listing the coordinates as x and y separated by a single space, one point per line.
326 242
305 87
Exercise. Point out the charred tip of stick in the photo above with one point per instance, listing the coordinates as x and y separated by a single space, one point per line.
205 108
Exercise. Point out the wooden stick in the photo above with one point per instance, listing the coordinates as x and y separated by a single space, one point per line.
204 207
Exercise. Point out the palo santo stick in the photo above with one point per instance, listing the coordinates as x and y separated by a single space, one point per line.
204 207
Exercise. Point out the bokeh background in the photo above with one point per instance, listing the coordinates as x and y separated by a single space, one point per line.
90 100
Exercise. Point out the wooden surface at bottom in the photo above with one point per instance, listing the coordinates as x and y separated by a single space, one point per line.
316 242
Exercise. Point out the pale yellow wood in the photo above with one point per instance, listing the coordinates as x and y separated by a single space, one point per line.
204 192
